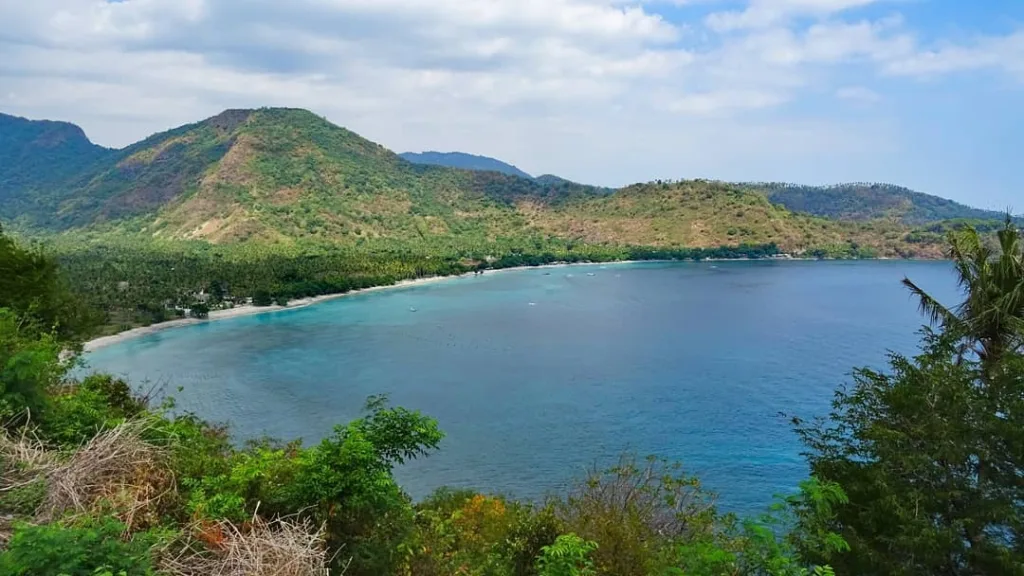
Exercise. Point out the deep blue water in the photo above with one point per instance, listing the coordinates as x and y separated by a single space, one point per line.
536 374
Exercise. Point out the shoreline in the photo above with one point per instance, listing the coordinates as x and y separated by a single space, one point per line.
250 310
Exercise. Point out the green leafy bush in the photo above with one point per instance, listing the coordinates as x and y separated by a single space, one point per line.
638 512
29 365
79 412
346 481
568 556
65 549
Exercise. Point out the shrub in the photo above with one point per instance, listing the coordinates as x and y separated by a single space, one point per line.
637 513
82 549
80 412
346 481
568 556
29 364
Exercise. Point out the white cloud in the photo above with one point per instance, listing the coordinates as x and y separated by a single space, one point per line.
766 13
1005 53
725 101
858 94
544 83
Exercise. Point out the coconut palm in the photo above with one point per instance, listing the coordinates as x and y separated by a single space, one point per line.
991 317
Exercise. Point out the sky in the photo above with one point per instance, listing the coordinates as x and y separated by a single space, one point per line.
924 93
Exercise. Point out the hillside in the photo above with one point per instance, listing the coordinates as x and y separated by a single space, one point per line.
275 174
36 155
705 214
463 161
865 201
286 176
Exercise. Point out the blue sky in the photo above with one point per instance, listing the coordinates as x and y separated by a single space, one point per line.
924 93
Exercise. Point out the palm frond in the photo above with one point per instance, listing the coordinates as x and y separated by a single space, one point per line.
930 307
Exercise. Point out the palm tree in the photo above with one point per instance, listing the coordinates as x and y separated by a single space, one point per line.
991 317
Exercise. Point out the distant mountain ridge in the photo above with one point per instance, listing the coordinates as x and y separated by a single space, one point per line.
283 175
463 161
861 201
42 153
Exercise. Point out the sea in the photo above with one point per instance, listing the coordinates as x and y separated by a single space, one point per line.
538 375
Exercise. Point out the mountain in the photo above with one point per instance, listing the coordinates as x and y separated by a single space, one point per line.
866 201
463 161
39 154
279 176
273 174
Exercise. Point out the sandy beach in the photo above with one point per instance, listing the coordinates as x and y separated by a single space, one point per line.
249 309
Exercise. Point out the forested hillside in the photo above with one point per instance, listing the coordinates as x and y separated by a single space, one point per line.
37 157
867 201
281 177
273 175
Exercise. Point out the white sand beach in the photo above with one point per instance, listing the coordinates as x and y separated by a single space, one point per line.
249 310
243 310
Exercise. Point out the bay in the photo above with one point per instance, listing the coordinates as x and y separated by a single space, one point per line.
537 374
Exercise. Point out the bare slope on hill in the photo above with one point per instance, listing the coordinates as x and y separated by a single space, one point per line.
279 175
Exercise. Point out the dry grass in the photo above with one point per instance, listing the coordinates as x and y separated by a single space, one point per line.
116 472
24 459
280 548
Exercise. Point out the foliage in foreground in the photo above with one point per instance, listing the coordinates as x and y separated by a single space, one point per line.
931 454
916 471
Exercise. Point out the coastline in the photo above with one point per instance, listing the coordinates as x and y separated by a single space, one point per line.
250 310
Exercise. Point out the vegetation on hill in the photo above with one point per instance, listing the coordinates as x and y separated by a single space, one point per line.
552 180
285 177
869 201
463 161
38 156
136 284
918 470
701 214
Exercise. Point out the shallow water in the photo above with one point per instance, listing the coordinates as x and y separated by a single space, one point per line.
536 374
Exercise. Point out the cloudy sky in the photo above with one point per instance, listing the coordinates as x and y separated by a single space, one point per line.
925 93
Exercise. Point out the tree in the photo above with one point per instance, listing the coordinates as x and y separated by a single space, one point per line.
29 364
991 318
930 455
33 289
200 310
262 298
346 483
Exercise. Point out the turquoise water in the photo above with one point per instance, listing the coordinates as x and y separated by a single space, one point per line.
537 374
